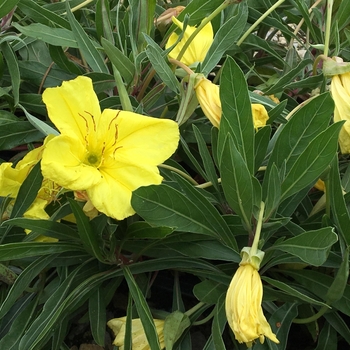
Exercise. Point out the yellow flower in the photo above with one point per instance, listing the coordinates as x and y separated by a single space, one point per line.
340 89
108 154
243 304
260 115
11 180
208 96
198 48
139 339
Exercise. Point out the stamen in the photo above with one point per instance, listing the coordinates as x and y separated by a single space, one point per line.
87 130
92 118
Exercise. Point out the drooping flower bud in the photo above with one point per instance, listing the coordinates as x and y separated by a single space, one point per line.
243 302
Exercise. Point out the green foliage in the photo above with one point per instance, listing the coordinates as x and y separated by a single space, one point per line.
67 274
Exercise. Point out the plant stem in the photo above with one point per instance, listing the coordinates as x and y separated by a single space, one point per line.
180 172
312 318
194 308
328 27
254 247
251 29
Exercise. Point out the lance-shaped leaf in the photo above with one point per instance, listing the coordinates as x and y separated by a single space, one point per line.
225 37
156 56
143 310
85 44
311 247
119 60
163 205
236 181
236 117
312 161
53 36
291 139
339 209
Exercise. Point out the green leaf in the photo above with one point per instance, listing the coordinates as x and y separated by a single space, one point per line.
312 162
236 181
156 56
311 247
209 291
27 192
291 139
336 290
208 162
86 46
225 37
286 79
41 126
174 326
236 117
125 67
16 133
340 213
293 292
53 36
45 227
162 205
217 222
338 323
20 323
262 138
97 316
40 330
12 65
58 56
141 22
13 251
319 284
40 14
219 323
143 230
327 340
35 72
6 6
89 238
271 191
142 310
24 281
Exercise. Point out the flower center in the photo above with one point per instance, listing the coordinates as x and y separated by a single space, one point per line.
93 159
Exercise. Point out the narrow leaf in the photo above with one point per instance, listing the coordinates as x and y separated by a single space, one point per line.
311 247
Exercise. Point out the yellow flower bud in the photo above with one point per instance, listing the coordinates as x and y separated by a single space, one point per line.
199 46
260 115
208 96
209 99
139 339
243 305
340 89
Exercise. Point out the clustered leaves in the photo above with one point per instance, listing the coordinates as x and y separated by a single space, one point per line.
145 146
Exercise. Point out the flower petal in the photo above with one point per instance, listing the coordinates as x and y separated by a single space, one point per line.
71 106
112 195
340 89
197 49
62 163
141 140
